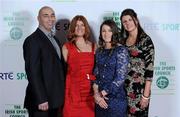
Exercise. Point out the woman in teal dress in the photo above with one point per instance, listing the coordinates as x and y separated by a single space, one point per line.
110 70
140 74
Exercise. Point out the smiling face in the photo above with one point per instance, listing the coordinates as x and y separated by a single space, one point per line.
128 23
106 33
47 18
79 29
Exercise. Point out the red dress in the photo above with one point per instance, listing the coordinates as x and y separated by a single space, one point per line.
79 101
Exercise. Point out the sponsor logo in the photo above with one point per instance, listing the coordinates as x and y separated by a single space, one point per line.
16 33
162 82
162 26
7 76
165 81
12 110
13 76
16 24
113 16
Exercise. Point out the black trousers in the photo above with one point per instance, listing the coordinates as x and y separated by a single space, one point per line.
49 113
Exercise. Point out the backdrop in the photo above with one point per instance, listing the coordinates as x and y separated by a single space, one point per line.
160 19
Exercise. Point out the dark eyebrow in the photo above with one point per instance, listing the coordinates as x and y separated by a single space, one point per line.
53 14
45 14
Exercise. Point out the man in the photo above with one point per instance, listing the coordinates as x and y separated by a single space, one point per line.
44 67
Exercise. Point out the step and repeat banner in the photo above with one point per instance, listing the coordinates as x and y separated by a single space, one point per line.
159 18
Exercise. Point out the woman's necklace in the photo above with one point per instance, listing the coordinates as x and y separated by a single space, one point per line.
80 49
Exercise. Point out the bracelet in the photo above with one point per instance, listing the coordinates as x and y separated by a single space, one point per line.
146 98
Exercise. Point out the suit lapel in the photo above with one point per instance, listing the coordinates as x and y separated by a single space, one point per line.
47 41
60 45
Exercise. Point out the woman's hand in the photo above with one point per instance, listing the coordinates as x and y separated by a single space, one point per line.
100 100
144 103
104 93
44 106
102 103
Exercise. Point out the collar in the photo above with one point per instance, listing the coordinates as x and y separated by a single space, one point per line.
47 33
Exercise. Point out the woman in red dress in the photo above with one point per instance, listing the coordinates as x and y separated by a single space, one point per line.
79 56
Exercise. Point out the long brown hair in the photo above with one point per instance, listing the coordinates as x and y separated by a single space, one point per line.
115 36
71 33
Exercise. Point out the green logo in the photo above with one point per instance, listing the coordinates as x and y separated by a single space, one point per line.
16 33
162 82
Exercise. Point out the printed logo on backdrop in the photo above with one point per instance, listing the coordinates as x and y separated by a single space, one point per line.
164 80
112 15
15 24
147 26
16 33
13 110
173 27
20 76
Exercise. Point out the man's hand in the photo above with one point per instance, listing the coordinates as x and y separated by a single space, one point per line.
44 106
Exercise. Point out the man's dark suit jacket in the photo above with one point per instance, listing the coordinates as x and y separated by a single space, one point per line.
45 72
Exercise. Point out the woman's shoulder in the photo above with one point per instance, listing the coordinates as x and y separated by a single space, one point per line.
146 41
67 44
145 37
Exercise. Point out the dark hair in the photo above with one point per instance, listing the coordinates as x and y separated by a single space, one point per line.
72 27
133 15
115 33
